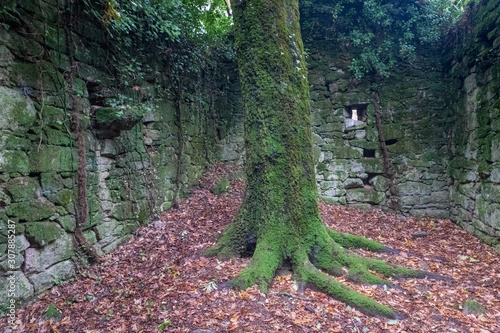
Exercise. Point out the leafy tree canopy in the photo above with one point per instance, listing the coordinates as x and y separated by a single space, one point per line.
153 20
379 32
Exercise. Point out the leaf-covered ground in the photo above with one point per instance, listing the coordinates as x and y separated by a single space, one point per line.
159 280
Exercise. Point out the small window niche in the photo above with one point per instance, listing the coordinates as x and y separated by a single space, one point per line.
369 153
357 112
355 115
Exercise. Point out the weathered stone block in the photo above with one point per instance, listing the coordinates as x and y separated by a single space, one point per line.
6 57
364 144
42 76
414 188
57 137
124 210
14 161
405 146
347 153
372 165
495 148
16 143
51 182
42 233
330 127
380 183
470 83
67 222
23 288
90 236
57 273
392 131
442 196
365 195
22 188
325 105
34 210
491 192
53 159
353 183
38 260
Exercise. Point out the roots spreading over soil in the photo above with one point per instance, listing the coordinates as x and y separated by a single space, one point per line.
313 259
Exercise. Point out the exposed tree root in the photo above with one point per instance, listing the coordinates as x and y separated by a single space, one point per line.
313 259
310 274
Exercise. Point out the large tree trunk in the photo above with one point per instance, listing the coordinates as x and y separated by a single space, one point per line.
279 219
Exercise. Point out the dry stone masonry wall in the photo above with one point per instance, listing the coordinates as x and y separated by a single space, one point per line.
474 168
137 159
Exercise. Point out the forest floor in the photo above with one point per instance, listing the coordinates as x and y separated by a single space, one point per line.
158 281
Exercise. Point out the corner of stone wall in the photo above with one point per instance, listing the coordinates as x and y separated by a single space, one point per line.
414 117
474 168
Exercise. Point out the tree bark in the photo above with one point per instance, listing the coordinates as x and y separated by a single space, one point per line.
279 220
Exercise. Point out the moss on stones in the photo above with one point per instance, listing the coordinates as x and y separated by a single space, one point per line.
34 210
372 165
42 76
51 182
14 161
52 159
22 188
321 167
365 196
13 142
347 153
57 137
18 111
42 233
107 116
67 222
392 131
221 187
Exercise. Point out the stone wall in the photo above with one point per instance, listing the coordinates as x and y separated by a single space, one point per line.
415 122
440 122
474 74
138 158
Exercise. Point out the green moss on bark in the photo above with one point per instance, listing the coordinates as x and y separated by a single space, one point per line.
279 219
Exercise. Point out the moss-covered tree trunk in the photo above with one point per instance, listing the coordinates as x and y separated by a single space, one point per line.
279 220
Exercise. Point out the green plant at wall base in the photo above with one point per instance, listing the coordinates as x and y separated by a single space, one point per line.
221 187
58 281
52 312
163 326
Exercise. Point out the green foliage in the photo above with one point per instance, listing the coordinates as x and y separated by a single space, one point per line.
221 187
163 326
472 306
379 32
52 312
188 35
155 20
